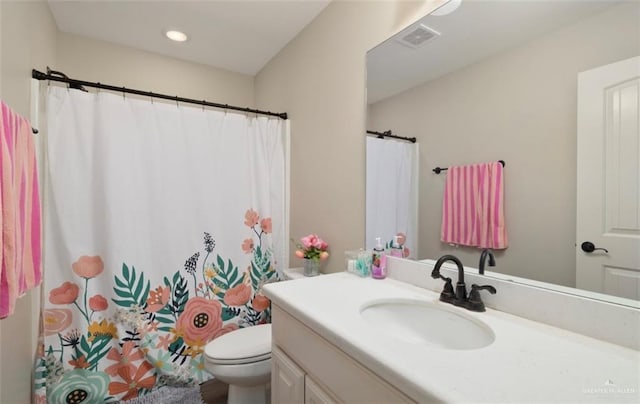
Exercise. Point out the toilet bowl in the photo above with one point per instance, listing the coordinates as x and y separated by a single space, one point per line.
242 359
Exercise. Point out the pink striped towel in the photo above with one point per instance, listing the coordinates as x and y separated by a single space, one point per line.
20 251
473 206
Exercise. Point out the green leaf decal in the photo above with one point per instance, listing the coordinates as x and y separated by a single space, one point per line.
99 348
179 298
180 294
96 350
229 312
164 320
85 346
131 288
120 283
261 268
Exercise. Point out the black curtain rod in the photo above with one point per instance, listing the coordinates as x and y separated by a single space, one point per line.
438 170
388 133
78 84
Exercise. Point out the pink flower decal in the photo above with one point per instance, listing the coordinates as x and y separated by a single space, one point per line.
199 321
80 363
56 320
265 224
158 299
129 355
164 341
134 381
247 245
88 267
66 293
237 295
251 218
260 303
98 303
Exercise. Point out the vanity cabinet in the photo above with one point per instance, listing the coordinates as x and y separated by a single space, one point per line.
309 369
287 379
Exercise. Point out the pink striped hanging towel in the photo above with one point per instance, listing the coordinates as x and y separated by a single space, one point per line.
20 251
473 206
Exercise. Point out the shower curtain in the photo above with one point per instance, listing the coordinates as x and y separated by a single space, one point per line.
392 193
162 224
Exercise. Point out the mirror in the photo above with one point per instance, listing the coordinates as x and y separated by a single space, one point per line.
497 80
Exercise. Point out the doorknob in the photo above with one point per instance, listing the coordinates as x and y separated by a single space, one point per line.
589 247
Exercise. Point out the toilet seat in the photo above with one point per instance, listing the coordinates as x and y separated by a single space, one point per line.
242 346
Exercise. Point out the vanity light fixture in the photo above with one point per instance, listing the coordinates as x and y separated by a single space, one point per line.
448 8
177 36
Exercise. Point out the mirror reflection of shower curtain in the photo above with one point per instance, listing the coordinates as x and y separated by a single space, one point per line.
392 192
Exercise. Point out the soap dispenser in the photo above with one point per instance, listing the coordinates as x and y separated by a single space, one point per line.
396 248
379 264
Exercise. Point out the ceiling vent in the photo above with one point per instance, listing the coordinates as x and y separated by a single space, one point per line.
416 36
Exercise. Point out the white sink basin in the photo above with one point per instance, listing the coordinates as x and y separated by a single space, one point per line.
422 322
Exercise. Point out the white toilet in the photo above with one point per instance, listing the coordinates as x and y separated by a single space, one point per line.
242 359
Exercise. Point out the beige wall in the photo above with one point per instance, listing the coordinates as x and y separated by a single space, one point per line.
28 35
93 60
519 106
319 79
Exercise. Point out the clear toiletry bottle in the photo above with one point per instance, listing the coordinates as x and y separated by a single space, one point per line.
396 248
379 264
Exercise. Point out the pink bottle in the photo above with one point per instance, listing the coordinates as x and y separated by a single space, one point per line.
396 248
379 264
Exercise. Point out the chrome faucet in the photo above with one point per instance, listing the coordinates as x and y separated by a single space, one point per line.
459 298
483 258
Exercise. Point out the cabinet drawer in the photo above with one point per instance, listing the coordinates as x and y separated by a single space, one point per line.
330 368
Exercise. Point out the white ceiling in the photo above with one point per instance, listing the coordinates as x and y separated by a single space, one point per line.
475 31
236 35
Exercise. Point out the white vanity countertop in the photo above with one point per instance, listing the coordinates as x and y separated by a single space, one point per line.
527 362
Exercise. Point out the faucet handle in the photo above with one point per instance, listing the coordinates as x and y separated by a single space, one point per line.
489 288
474 302
447 295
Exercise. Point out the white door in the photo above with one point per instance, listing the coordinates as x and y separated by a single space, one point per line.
608 193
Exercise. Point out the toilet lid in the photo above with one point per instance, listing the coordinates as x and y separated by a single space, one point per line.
246 345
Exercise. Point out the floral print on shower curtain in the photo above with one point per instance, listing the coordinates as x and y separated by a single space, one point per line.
166 326
162 225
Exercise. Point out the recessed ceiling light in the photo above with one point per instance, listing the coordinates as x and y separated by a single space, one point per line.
176 35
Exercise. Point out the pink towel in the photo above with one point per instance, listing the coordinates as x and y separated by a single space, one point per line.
20 255
473 206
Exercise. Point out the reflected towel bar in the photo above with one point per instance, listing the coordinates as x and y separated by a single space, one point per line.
388 133
438 170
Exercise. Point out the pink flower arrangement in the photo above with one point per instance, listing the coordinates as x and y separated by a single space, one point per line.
312 247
